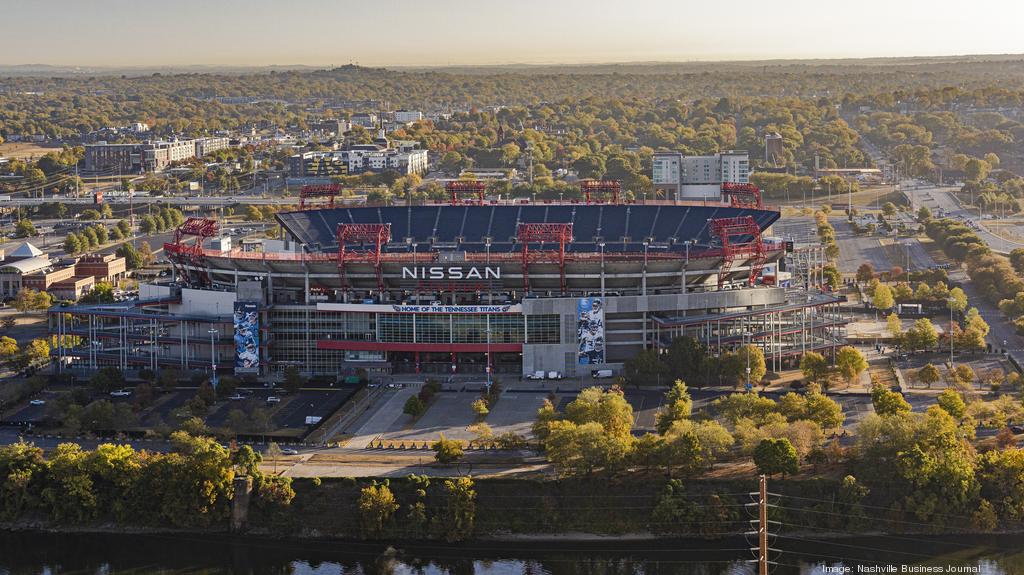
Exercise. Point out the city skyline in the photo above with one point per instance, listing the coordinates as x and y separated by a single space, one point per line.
448 32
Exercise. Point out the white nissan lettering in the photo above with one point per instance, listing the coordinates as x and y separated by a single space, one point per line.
451 272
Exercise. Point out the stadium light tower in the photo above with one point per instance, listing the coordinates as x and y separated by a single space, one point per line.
601 245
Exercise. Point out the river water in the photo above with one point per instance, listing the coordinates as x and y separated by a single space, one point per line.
88 554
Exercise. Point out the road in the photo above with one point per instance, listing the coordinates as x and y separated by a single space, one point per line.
935 197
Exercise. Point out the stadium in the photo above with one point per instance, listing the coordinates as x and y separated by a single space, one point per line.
455 287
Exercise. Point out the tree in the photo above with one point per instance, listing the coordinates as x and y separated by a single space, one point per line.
736 406
850 363
133 259
928 375
752 357
377 505
895 325
882 298
924 214
25 229
607 408
823 410
776 456
414 406
645 368
480 408
889 209
957 300
28 299
38 351
887 402
102 292
678 405
922 335
952 403
447 450
460 509
8 349
72 244
814 366
865 273
146 253
976 170
293 380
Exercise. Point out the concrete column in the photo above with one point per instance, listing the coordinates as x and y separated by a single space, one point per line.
240 502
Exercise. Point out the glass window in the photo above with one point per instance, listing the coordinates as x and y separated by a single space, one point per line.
544 328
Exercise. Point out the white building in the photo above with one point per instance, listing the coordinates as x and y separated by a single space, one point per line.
698 177
408 116
209 145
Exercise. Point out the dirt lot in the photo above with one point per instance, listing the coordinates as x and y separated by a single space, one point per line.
20 150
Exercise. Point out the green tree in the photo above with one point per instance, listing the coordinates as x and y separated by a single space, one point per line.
776 456
957 300
814 366
678 405
460 509
882 298
850 363
414 406
889 209
887 402
25 229
447 451
736 406
922 335
133 260
952 403
607 408
377 505
928 375
924 214
823 410
37 351
293 380
72 244
8 349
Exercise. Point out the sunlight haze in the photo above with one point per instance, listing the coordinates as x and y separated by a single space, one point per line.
451 32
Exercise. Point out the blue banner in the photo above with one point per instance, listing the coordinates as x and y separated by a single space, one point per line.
247 338
590 330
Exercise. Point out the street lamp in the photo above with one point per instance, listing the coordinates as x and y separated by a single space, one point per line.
746 351
488 332
950 303
213 359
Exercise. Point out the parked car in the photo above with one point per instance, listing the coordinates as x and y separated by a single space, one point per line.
554 375
37 402
121 393
237 397
289 452
273 399
536 375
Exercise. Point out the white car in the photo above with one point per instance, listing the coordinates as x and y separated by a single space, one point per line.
536 375
273 399
37 402
121 393
289 452
237 397
554 375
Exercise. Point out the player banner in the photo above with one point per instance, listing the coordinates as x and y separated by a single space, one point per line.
590 330
247 338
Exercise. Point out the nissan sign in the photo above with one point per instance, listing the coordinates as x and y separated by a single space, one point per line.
451 273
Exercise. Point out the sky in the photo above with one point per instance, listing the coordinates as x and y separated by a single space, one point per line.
468 32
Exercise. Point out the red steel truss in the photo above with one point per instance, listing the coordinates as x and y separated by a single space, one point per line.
729 230
329 191
372 238
743 195
612 187
184 255
540 233
456 187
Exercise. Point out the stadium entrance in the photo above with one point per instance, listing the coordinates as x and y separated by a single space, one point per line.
442 363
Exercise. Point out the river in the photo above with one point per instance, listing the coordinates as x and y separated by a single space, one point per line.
103 554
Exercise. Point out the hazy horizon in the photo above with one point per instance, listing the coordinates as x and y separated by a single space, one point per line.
404 33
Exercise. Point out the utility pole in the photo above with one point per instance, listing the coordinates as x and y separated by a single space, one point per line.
762 531
763 523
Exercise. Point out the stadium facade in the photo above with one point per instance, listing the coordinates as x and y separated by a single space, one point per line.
523 287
